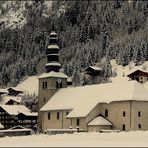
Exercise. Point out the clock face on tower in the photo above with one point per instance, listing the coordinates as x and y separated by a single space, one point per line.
59 80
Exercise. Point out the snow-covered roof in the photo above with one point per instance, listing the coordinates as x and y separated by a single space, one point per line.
53 64
94 68
53 74
136 69
7 98
29 113
81 100
3 91
53 47
29 85
100 120
15 109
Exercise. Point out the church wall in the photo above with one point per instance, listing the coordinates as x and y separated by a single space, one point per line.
115 114
54 123
46 94
142 107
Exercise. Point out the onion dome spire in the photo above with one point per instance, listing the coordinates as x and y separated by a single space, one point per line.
52 52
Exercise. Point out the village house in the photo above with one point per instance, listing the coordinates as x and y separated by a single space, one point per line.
12 115
120 106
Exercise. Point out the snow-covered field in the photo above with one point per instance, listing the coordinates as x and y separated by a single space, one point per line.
124 139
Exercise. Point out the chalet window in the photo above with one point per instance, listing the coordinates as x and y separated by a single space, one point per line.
106 113
78 122
139 114
139 125
58 115
124 113
123 127
48 115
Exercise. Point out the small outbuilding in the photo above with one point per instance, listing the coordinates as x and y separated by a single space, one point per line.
98 124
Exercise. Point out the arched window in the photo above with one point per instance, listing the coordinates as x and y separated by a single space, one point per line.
48 115
106 113
59 83
78 122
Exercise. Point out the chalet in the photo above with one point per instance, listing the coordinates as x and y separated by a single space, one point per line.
112 106
14 92
93 71
12 115
139 75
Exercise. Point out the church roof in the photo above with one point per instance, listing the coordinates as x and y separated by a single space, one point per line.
53 64
100 120
53 74
81 100
53 47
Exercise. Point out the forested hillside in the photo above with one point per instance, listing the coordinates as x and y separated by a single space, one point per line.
88 31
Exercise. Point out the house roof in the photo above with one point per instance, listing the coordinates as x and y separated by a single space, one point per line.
81 100
15 109
7 98
94 68
29 113
3 91
135 70
99 120
53 74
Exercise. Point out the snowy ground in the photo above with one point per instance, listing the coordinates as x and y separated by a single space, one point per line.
124 139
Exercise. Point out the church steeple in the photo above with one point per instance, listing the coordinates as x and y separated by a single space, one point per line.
52 51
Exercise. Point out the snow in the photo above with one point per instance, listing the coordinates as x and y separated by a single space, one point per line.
99 121
120 139
74 98
53 74
15 109
53 47
53 64
29 86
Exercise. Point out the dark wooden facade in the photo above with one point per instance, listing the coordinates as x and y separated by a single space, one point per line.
9 121
26 120
92 71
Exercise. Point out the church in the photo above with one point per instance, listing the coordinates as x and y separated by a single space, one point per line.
91 108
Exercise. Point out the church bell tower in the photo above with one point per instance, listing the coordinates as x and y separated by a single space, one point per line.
52 80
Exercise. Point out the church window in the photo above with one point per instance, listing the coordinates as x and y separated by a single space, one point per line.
44 99
48 115
58 115
78 122
46 85
139 114
139 125
59 83
43 85
106 113
123 127
124 113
